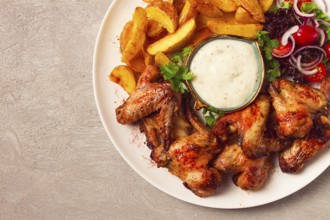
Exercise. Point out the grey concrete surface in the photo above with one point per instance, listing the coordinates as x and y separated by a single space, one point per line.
56 161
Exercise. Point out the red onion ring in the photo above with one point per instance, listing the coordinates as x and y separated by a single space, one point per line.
290 52
318 21
288 33
309 65
300 13
305 71
310 47
323 36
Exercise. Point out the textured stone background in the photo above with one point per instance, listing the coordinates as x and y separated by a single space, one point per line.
56 161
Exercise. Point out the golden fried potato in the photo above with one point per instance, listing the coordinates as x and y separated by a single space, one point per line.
179 4
225 5
244 17
187 12
137 36
124 35
199 37
137 64
124 76
240 30
165 14
254 8
155 30
173 41
206 8
161 59
201 20
266 4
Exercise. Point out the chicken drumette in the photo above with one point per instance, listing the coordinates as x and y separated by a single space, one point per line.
248 174
250 125
153 104
302 150
294 105
191 157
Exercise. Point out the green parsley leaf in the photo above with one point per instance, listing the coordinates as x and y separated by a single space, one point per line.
211 114
285 4
267 45
176 72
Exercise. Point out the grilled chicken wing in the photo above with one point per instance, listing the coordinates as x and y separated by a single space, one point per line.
250 124
248 174
294 105
294 158
325 85
191 156
153 103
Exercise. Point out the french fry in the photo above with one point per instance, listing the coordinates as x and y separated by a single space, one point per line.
137 36
254 8
225 5
266 4
124 76
161 59
165 14
173 41
244 17
199 37
240 30
125 34
187 12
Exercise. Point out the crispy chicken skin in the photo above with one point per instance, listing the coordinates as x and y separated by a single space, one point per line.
294 105
248 174
191 157
325 85
302 150
250 124
153 104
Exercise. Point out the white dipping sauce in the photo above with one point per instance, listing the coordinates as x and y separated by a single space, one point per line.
225 72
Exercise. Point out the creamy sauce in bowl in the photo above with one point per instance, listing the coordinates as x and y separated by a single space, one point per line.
228 72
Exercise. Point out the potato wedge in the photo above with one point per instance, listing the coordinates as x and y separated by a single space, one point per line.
201 20
125 34
173 41
206 8
124 76
266 4
225 5
199 37
244 17
138 35
161 59
165 14
137 64
254 8
155 29
240 30
187 12
179 4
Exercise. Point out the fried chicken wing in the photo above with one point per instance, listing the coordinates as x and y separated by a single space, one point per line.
153 104
302 150
294 105
248 174
191 156
250 124
325 85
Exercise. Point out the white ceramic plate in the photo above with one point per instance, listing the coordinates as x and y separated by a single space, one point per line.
130 143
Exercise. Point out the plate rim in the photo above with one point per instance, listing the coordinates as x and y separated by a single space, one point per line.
141 174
